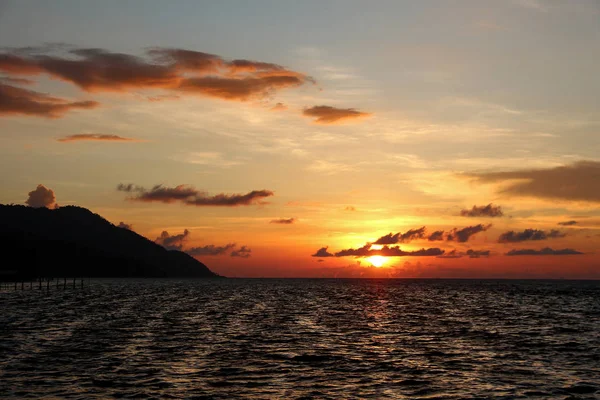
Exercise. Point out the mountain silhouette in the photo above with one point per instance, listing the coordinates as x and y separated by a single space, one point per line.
74 242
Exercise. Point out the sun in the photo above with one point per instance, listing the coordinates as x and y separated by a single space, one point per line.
377 261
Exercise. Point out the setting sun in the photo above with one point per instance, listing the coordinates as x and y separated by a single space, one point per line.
377 261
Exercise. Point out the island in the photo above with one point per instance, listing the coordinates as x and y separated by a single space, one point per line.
72 241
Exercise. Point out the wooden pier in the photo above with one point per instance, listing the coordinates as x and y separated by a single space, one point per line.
43 283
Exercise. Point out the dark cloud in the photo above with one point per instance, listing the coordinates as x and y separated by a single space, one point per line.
210 250
470 253
18 65
283 221
177 242
94 137
188 60
333 115
41 197
178 70
96 70
568 223
546 251
529 234
577 181
125 226
451 254
191 196
437 235
15 101
322 252
402 237
464 234
243 252
172 242
387 251
239 89
478 253
483 211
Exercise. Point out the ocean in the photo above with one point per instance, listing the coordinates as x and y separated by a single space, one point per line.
302 339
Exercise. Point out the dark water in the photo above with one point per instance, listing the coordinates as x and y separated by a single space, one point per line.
291 339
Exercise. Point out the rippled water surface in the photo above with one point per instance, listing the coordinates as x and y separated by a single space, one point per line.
265 339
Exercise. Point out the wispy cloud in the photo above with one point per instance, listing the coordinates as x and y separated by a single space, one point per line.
283 221
483 211
546 251
568 223
19 101
574 182
191 196
399 237
322 252
386 251
529 234
333 115
95 137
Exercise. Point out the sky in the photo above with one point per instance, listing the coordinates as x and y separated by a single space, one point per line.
396 138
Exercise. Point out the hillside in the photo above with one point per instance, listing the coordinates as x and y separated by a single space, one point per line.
73 241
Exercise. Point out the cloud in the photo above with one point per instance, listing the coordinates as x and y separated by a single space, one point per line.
16 81
478 253
451 254
94 69
15 101
574 182
187 60
279 107
464 234
176 70
172 242
239 89
210 250
96 137
283 221
333 115
546 251
437 235
125 226
402 237
190 196
243 252
350 208
386 251
322 252
568 223
470 253
529 234
41 197
483 211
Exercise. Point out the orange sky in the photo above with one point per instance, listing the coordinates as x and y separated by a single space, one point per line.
465 144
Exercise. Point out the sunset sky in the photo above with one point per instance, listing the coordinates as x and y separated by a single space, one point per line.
298 139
